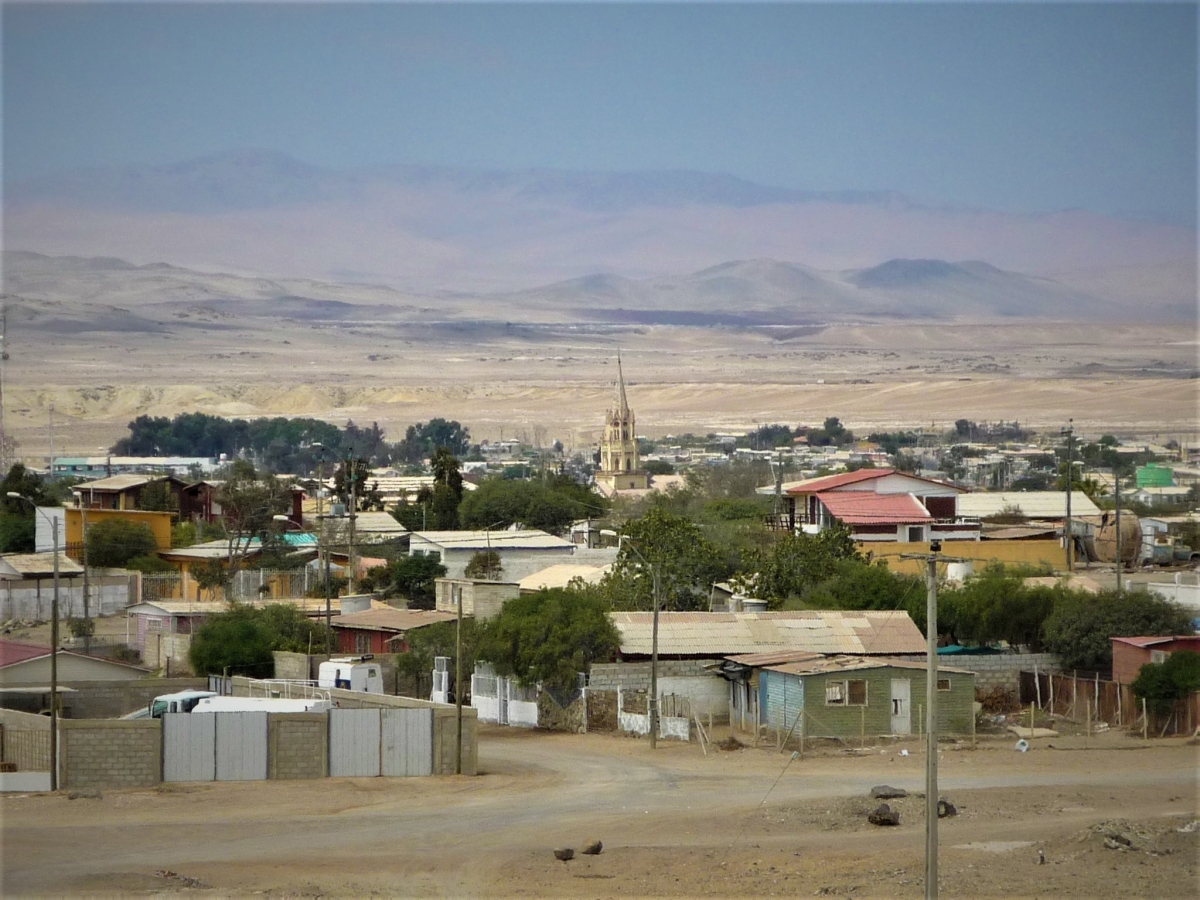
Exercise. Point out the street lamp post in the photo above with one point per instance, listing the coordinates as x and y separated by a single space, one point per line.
53 644
652 700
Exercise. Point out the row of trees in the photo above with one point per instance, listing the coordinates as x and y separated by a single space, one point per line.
286 444
545 637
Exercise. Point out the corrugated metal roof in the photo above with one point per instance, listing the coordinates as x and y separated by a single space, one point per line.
865 508
377 523
1034 504
525 539
1151 641
40 564
826 664
561 575
814 631
118 482
392 619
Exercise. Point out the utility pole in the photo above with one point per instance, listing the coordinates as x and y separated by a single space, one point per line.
458 691
1069 431
931 761
1117 497
931 722
87 635
328 588
50 476
352 474
53 643
653 700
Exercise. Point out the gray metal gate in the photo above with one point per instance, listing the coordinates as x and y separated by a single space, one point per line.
406 742
241 743
189 747
353 742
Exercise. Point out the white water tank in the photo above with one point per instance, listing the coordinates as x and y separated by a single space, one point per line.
958 572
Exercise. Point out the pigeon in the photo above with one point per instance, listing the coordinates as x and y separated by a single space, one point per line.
1041 858
594 848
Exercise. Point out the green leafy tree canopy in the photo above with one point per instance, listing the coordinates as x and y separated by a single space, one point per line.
111 543
549 637
1081 627
413 578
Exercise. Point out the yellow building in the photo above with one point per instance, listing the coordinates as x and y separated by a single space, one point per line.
159 522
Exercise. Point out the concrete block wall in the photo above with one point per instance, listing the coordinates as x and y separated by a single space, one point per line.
444 723
297 666
635 676
113 699
1003 669
110 753
297 745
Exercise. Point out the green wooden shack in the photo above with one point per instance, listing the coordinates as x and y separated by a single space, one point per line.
848 696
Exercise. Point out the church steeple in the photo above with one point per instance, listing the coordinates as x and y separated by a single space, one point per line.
620 462
622 403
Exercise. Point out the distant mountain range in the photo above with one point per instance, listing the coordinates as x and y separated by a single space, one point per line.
597 242
742 293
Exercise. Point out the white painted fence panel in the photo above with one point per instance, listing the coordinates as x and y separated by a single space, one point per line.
189 747
354 742
406 742
241 745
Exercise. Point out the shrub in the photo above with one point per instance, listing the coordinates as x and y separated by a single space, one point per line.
111 543
1161 684
1081 627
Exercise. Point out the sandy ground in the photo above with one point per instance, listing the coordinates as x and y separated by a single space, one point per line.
506 381
674 823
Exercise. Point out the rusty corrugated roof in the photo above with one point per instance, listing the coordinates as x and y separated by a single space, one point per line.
826 664
812 631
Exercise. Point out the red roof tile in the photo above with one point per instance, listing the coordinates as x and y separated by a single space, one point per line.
829 482
1151 641
861 508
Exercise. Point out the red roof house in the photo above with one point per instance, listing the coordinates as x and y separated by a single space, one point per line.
1131 653
879 505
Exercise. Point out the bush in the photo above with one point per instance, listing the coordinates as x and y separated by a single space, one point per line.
243 638
1080 629
81 628
149 565
111 543
549 636
1161 684
412 577
484 564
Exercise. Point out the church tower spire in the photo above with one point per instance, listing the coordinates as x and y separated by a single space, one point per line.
620 460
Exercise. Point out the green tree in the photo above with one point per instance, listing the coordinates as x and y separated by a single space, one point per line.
1162 684
113 542
552 507
855 584
354 476
659 467
484 564
237 641
686 562
1081 627
248 507
549 636
17 523
438 639
412 577
797 562
997 605
156 497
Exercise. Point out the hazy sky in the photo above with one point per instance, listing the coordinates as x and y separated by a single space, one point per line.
1025 107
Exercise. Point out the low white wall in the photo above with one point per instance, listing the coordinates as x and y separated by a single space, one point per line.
31 600
669 727
708 695
22 782
1186 595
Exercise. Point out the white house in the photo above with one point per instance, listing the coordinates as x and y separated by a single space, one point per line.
521 552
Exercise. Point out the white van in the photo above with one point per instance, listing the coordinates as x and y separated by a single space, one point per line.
216 704
351 673
183 701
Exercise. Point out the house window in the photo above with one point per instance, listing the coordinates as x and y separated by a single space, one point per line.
943 684
362 642
846 693
1159 656
916 534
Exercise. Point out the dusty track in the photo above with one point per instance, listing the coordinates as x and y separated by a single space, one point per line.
673 823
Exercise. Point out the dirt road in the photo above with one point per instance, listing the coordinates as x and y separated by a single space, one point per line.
673 822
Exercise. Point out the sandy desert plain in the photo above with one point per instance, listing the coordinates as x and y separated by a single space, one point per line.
99 367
